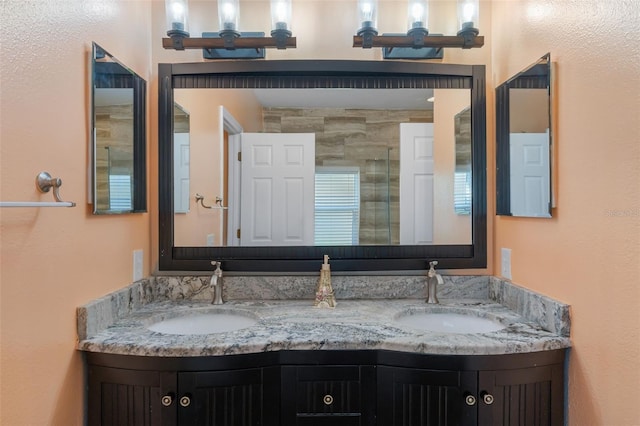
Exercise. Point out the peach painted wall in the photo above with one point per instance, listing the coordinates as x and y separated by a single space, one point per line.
54 259
203 106
588 254
449 227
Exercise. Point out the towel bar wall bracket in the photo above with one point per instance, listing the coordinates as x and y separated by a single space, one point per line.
44 183
200 199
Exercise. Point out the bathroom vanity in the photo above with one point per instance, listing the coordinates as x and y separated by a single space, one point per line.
358 364
319 387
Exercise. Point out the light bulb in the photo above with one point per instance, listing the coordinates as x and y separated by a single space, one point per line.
468 14
418 14
281 14
368 11
177 12
228 14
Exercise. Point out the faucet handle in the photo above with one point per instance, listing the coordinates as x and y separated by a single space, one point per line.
218 265
432 270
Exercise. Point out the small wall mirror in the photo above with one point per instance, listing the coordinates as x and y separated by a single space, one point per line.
524 142
118 136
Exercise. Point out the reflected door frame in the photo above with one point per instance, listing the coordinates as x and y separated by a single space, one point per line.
231 126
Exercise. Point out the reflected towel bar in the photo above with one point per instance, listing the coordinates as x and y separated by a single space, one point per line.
200 199
44 182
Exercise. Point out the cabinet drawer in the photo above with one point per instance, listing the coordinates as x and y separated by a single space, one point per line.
328 395
327 390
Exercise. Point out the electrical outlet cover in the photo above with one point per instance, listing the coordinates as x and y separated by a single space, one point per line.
505 268
138 267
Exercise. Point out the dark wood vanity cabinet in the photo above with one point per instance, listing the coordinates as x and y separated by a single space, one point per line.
125 397
219 398
521 396
316 388
135 397
410 396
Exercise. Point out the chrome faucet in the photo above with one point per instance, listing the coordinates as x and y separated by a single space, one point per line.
216 284
433 279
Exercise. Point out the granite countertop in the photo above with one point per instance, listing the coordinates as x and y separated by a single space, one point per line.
297 325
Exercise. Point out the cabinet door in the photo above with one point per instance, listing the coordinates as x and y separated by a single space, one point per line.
527 396
229 398
328 395
130 397
408 397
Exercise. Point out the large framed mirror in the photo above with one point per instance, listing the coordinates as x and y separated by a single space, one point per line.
524 143
369 152
118 136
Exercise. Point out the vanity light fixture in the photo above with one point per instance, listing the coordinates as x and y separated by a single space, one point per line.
229 42
417 43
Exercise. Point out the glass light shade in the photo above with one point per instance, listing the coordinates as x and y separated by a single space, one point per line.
228 12
468 13
281 15
177 12
418 14
368 14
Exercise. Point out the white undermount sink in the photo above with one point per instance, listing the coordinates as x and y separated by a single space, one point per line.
203 323
448 322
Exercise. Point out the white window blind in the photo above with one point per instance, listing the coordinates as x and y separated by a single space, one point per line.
337 206
120 192
462 193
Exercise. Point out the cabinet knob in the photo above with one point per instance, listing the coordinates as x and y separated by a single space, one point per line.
185 401
487 398
167 400
328 399
470 399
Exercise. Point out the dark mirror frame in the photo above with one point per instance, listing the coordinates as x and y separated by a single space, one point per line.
117 75
321 74
536 76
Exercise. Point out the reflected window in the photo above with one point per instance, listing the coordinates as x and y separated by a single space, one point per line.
120 194
462 193
337 206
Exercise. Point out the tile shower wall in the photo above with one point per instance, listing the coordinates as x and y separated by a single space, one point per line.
367 139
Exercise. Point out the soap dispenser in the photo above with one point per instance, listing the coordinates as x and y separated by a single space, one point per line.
324 292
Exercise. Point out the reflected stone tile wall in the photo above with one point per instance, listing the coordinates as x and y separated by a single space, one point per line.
367 139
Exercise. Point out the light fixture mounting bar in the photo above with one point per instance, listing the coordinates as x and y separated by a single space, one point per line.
218 43
429 41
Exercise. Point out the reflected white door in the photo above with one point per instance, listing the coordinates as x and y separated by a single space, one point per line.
529 168
277 189
416 183
181 173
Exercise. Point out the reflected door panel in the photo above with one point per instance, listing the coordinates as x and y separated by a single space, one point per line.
277 187
181 172
529 174
416 183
